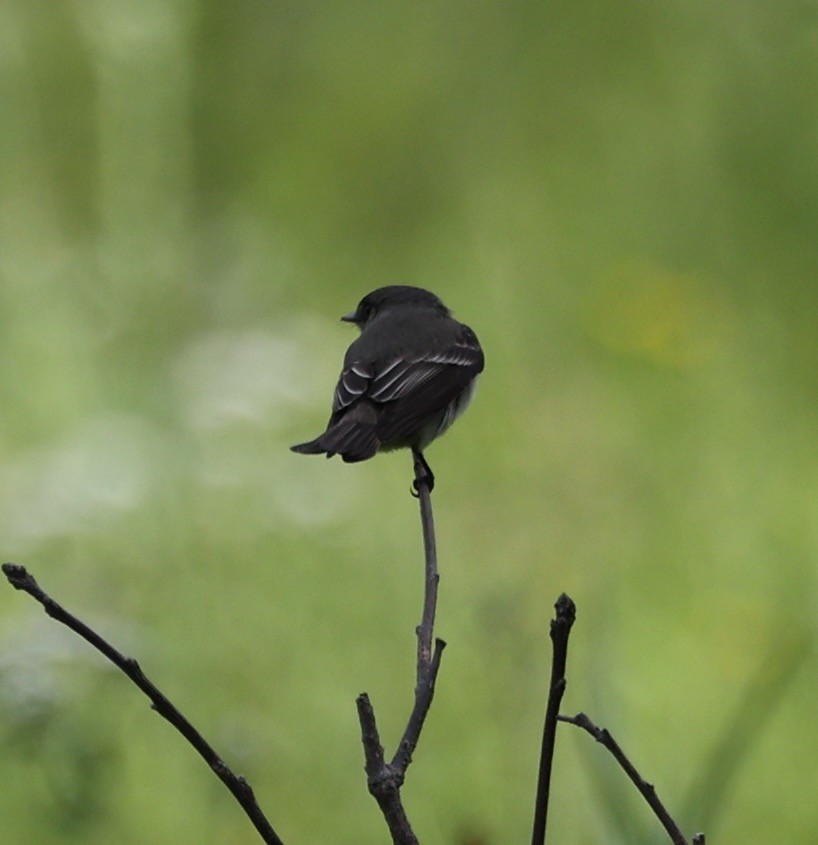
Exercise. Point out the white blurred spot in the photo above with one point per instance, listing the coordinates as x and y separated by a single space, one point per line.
128 28
34 654
103 469
253 376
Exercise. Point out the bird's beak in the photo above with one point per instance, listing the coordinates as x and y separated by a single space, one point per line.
352 317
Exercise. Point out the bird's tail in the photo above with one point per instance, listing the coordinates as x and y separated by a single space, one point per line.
353 441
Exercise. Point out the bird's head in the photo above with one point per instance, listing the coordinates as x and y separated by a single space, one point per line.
389 298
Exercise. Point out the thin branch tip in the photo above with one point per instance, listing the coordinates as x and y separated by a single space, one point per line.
565 608
18 576
645 788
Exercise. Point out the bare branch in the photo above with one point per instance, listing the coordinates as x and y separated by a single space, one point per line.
647 790
386 779
426 630
560 631
20 579
383 779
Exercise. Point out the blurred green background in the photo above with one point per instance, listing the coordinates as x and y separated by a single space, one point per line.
621 199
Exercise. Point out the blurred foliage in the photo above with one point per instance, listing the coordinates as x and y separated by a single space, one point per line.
621 199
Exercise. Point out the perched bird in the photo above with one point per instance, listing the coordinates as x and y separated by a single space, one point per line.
405 380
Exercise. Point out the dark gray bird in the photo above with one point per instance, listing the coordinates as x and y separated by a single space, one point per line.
405 380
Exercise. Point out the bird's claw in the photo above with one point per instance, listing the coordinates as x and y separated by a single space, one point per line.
423 475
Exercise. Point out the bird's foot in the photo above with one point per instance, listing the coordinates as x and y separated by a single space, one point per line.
423 474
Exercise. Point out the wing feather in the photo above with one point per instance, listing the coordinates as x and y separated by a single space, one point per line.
409 388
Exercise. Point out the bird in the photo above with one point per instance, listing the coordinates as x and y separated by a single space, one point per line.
406 378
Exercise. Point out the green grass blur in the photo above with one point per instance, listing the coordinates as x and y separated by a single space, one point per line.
621 199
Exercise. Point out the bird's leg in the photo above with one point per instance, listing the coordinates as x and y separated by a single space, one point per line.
423 473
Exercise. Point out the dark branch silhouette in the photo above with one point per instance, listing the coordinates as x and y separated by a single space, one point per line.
385 779
20 579
560 631
646 789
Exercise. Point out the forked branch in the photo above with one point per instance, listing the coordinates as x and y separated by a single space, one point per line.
560 629
385 779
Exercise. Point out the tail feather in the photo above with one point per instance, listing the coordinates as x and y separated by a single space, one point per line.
353 441
312 447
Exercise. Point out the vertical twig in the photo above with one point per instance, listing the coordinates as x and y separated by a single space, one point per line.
560 631
426 629
430 650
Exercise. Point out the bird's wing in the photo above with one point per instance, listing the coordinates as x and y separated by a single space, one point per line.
352 385
410 387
